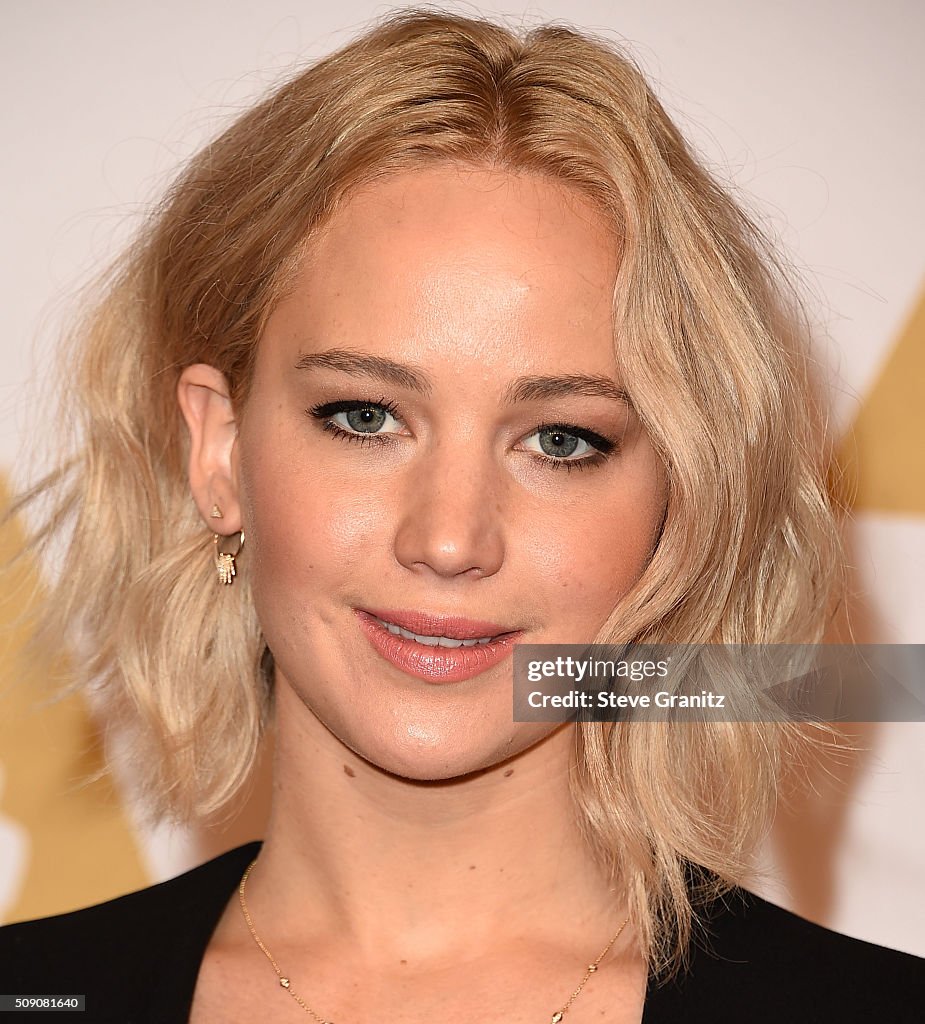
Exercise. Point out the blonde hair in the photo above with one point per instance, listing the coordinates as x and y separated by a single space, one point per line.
710 351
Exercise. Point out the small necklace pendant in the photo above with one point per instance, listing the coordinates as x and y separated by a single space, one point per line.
556 1017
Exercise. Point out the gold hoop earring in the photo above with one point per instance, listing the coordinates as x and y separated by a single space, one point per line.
224 560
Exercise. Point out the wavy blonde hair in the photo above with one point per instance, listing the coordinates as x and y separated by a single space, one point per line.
711 353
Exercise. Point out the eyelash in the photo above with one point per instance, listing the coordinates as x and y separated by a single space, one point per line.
326 410
604 447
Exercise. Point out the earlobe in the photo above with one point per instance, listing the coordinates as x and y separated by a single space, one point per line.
205 401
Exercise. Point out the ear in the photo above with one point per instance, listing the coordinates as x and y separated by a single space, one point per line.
205 402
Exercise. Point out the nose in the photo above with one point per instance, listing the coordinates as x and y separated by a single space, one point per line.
452 521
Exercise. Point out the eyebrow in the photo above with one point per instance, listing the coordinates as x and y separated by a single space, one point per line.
359 364
531 389
523 389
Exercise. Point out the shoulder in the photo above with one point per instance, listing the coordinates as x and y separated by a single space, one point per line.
752 960
128 952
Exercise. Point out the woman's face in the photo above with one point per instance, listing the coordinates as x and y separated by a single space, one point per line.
436 439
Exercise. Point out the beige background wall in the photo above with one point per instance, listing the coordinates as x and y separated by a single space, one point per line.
812 111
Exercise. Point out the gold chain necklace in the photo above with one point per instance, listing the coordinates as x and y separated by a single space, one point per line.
285 983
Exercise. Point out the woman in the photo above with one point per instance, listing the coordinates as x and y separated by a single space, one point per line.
448 345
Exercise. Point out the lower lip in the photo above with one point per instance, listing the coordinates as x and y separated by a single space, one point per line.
435 664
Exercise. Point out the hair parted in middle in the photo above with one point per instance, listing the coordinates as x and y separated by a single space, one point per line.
707 349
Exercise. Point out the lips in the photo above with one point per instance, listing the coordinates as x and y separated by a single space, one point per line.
454 626
481 644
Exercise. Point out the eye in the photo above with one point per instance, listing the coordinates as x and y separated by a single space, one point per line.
357 418
370 419
560 443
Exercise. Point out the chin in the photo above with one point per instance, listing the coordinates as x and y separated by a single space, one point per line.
428 754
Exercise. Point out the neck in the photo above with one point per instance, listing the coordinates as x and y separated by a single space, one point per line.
392 866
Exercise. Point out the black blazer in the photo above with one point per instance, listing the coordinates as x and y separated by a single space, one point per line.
136 959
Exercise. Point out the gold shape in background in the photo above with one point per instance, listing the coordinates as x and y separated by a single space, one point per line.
81 848
882 455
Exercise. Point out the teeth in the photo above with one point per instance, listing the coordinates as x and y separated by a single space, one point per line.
433 641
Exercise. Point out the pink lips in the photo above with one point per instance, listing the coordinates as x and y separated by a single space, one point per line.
436 664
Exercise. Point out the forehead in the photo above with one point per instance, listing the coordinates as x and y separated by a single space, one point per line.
455 257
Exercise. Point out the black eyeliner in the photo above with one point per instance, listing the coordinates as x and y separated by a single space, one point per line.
326 409
603 444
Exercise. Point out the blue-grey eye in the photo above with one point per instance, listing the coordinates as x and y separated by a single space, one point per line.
359 419
368 420
558 443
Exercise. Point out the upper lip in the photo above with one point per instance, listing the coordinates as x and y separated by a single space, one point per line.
456 627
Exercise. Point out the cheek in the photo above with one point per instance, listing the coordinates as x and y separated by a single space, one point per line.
589 555
596 553
305 522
